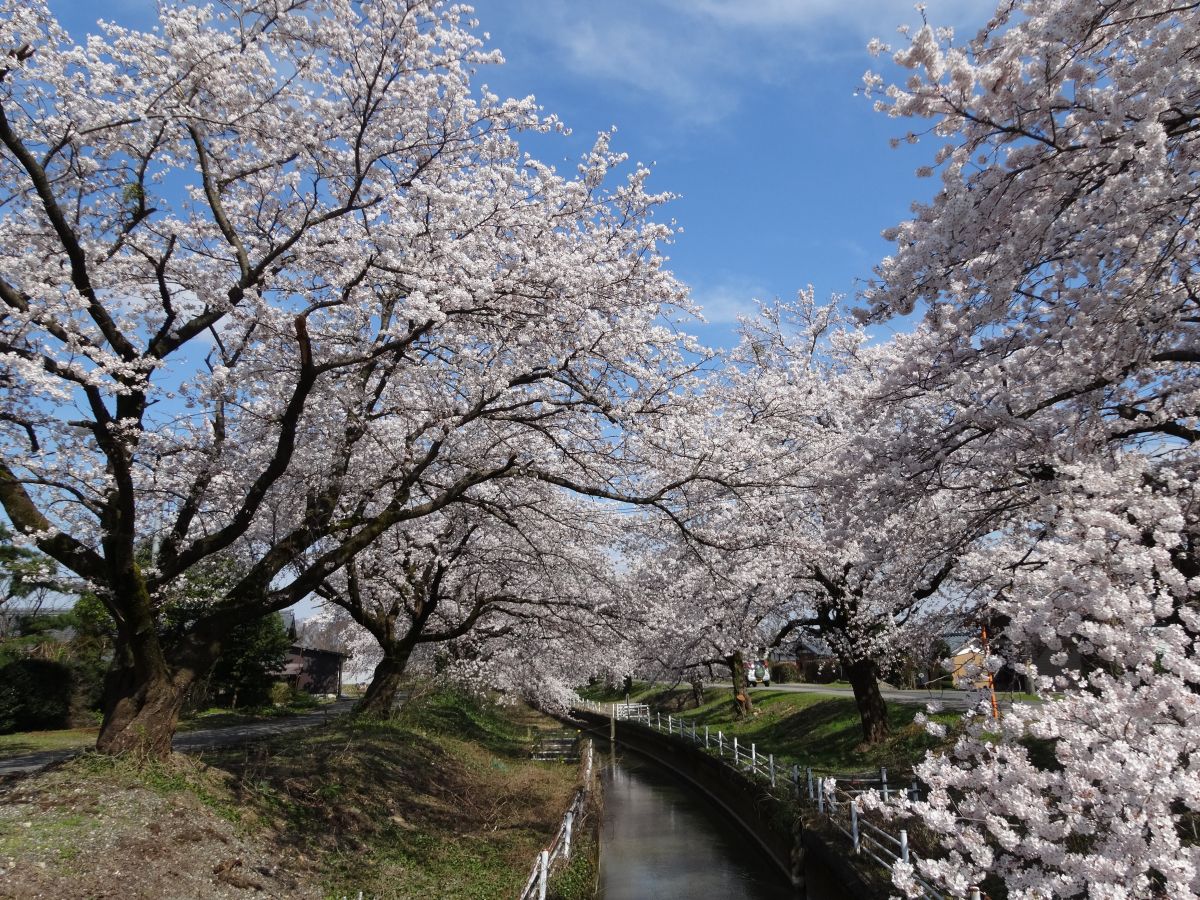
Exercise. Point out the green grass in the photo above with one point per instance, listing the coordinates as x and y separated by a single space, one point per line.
819 730
25 742
578 879
442 801
217 717
603 693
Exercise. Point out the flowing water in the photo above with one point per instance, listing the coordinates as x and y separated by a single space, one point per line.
661 839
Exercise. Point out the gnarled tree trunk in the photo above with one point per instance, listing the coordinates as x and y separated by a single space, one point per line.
379 701
143 697
872 711
140 715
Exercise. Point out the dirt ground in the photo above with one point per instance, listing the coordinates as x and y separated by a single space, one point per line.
441 803
96 828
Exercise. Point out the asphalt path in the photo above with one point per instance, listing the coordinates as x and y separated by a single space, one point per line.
949 699
194 741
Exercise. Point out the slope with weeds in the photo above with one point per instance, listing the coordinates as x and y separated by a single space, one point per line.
441 802
818 730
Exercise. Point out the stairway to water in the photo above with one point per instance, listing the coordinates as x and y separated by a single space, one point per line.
559 746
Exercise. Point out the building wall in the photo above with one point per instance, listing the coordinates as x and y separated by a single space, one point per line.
318 670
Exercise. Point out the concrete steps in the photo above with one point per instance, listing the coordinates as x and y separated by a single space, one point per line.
556 746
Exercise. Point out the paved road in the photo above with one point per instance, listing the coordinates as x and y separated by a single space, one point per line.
193 741
950 699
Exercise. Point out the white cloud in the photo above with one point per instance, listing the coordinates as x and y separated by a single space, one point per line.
722 302
695 59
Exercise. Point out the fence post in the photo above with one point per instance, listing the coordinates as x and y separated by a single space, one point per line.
904 845
669 724
570 820
820 796
883 781
543 871
811 795
772 761
854 823
753 757
796 779
705 737
735 751
914 792
721 744
658 720
974 893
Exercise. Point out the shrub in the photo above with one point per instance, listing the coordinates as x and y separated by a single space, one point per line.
281 693
785 673
35 694
253 653
818 671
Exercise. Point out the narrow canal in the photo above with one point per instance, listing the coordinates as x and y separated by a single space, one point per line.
662 839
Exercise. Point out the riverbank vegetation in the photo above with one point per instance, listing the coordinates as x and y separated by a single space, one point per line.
810 729
441 801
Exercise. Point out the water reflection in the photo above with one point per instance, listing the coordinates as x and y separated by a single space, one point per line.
662 839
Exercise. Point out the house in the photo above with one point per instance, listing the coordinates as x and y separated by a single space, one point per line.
814 661
313 670
967 664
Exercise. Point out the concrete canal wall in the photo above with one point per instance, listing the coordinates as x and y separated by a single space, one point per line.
805 857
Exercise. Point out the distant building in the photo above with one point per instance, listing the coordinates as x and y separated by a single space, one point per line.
315 671
814 661
968 664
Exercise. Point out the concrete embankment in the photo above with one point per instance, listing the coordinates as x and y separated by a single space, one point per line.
814 866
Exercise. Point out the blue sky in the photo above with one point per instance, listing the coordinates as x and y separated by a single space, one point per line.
746 108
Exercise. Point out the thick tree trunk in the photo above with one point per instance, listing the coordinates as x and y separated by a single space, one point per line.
140 717
698 690
741 691
144 692
379 701
142 701
872 711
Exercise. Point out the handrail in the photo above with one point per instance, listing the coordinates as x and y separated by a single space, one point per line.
560 847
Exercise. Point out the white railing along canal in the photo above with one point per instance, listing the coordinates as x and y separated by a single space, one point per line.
834 795
560 847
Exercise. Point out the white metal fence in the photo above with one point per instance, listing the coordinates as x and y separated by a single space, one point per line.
560 847
835 795
635 711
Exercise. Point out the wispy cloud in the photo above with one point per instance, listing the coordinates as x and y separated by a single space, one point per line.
637 55
724 300
695 59
802 15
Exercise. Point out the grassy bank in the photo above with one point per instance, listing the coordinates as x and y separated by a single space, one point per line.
812 729
22 742
442 802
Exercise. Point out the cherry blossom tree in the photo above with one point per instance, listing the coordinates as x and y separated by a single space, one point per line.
806 523
856 557
521 551
1056 271
699 608
276 279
